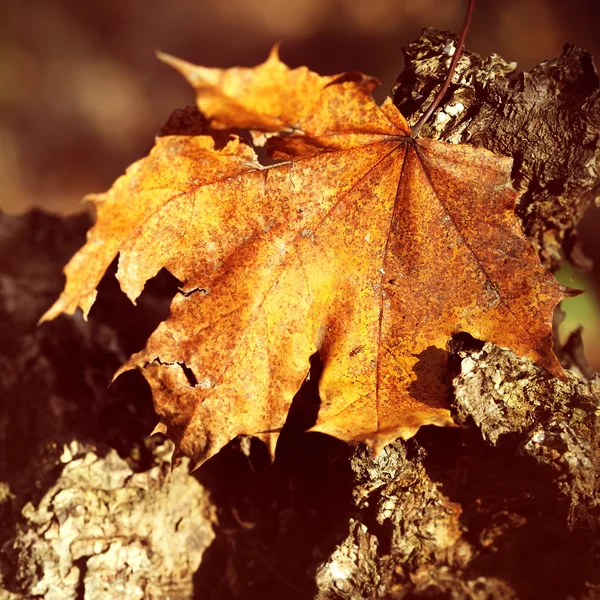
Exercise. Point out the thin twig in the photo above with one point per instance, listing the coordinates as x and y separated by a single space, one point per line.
455 57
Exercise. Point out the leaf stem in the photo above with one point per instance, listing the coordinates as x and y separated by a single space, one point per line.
455 58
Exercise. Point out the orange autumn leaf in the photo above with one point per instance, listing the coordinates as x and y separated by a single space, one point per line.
360 243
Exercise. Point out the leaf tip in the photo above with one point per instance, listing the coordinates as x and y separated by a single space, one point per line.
556 369
50 314
274 53
567 292
128 366
166 58
184 68
67 305
159 428
194 466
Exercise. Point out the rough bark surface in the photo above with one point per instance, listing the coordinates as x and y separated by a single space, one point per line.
104 531
507 505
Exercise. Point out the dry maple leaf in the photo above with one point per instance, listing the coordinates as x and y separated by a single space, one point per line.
362 244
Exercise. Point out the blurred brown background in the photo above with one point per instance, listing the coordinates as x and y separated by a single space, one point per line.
82 94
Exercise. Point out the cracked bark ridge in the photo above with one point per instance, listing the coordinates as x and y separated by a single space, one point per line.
558 423
104 531
410 534
547 120
410 541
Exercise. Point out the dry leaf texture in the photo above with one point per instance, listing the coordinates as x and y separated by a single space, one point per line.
359 243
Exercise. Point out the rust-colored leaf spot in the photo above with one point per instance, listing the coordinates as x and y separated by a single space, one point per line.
361 243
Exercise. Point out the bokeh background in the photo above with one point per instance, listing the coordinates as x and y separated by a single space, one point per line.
82 94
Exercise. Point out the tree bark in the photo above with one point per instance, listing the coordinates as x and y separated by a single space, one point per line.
506 505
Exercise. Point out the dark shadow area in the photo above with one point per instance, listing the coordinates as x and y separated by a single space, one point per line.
463 341
460 342
33 249
56 377
190 121
276 522
513 513
133 323
430 369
